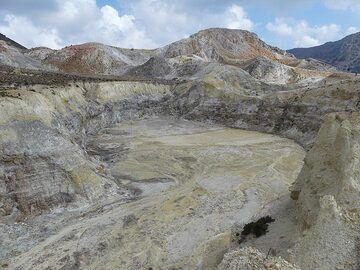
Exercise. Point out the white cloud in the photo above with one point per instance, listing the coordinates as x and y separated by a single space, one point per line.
145 24
352 5
168 20
302 34
238 19
76 21
164 20
352 30
161 13
24 32
307 41
121 30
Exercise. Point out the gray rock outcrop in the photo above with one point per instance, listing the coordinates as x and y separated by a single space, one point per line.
326 193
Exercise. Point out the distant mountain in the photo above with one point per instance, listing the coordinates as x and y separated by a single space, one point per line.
11 42
343 54
237 52
227 46
91 58
220 45
13 55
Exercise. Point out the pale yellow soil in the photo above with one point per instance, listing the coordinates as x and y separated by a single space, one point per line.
196 182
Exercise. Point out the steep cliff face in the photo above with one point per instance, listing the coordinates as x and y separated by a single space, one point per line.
43 162
327 192
296 114
331 166
44 128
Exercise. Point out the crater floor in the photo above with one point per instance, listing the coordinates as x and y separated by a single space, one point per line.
193 182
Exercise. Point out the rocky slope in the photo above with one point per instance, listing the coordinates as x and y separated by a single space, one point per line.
11 42
15 57
43 128
177 60
91 58
146 171
294 113
225 46
273 72
343 54
326 193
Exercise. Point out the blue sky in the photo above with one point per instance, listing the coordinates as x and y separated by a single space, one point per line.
155 23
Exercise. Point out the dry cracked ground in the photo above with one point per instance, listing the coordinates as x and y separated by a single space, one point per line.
193 182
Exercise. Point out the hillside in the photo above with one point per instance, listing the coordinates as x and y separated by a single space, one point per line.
181 59
225 46
11 42
343 54
90 58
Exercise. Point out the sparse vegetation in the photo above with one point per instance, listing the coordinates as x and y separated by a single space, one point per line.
255 228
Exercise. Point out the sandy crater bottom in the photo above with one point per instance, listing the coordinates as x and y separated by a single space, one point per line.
195 182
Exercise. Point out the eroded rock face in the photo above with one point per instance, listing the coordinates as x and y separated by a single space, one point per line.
42 169
333 241
331 166
50 125
270 71
327 192
43 162
295 114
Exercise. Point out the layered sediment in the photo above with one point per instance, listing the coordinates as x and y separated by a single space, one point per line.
154 169
50 125
44 128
